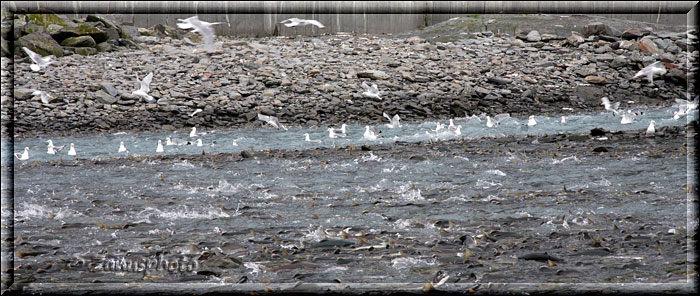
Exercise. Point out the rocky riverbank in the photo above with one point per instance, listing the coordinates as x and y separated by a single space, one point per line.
317 80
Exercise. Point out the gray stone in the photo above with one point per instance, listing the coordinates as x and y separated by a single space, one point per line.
40 43
104 97
103 47
596 29
634 33
80 41
533 36
618 62
372 74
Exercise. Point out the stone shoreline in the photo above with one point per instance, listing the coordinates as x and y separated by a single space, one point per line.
308 81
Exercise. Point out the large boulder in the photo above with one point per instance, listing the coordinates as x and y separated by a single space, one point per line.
109 24
81 30
40 43
597 29
47 19
80 41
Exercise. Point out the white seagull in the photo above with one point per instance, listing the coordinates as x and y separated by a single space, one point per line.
44 96
609 106
333 135
144 88
627 118
563 120
309 139
341 130
178 142
159 149
293 22
369 134
201 27
39 61
53 149
195 112
371 91
394 121
24 155
272 121
496 120
649 71
650 129
121 147
71 152
452 126
458 131
531 121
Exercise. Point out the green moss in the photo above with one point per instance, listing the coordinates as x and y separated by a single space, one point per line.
45 20
473 15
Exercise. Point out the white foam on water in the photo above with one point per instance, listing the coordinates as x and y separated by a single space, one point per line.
485 184
31 210
183 212
409 194
408 262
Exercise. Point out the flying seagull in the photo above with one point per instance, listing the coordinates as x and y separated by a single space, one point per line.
272 121
195 112
293 22
371 91
649 71
609 106
144 88
201 27
39 61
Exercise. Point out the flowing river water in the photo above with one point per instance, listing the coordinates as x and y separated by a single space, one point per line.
330 211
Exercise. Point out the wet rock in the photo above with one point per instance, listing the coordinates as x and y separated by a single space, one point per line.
80 41
246 154
600 149
597 132
40 43
539 257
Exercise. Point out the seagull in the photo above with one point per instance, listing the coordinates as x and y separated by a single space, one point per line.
394 121
234 143
144 88
439 127
71 152
53 149
272 121
178 142
650 129
496 120
201 27
452 126
309 140
341 130
627 118
610 107
563 120
44 96
458 131
371 91
39 61
684 107
24 155
293 22
121 147
199 143
333 135
369 134
193 134
531 120
159 149
649 71
195 112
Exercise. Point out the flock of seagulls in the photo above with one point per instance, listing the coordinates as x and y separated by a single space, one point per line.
371 91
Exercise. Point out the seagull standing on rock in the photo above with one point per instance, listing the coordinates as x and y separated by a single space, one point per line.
144 88
651 130
39 61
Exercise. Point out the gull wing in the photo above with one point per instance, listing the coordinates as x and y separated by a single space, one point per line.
374 89
367 87
387 116
396 118
315 23
32 55
146 82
